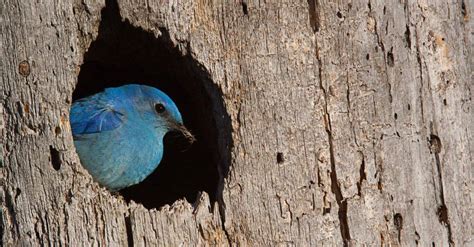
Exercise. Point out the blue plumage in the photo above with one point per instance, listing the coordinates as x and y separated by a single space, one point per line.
92 115
119 133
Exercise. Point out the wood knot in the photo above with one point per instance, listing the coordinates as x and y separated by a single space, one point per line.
24 68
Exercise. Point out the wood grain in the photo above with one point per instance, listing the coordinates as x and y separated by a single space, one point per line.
352 124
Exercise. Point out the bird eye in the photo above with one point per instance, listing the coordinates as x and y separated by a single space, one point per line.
160 108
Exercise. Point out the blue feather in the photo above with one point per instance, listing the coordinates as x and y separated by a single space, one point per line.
94 114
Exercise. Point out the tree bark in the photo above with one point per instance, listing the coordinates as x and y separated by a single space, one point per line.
352 124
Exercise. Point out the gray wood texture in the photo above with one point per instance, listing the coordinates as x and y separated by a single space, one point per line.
367 104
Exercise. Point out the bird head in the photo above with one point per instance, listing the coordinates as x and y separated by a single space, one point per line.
159 109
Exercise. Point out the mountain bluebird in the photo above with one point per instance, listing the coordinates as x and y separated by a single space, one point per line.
119 132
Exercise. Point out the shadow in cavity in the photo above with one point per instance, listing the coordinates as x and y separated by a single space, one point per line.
124 54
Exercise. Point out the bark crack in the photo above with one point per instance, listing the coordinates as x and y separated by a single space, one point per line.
335 188
435 148
222 217
348 98
387 61
10 219
420 69
362 176
129 230
442 210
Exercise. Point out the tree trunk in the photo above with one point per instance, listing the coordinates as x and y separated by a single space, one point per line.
348 123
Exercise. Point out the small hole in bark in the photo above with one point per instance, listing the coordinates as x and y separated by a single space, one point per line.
407 36
445 102
435 144
409 107
390 59
326 210
17 192
398 221
57 130
124 54
280 158
395 116
244 7
367 56
463 9
443 214
339 14
55 158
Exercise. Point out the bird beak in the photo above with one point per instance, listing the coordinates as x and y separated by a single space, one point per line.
187 134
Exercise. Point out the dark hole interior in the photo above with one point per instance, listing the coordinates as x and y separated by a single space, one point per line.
123 54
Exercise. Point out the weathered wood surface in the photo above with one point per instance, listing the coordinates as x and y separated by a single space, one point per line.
369 105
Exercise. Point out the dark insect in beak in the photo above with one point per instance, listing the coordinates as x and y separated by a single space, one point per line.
186 133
